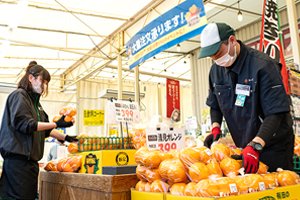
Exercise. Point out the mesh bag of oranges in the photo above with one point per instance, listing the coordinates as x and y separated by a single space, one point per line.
69 112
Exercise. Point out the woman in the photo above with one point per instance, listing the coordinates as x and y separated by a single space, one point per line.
24 127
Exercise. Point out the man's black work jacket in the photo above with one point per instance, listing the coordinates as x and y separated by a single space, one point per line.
267 95
18 135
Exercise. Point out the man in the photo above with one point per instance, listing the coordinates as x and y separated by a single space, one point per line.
245 88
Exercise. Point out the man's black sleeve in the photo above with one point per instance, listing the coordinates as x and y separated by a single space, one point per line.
269 126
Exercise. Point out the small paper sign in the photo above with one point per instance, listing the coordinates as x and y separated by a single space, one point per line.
165 139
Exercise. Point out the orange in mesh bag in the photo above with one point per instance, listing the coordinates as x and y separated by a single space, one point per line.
262 168
152 175
190 189
220 151
214 169
141 172
230 167
270 180
73 148
198 171
139 154
50 166
250 183
189 156
173 171
205 154
287 177
142 186
178 189
139 138
159 186
168 155
151 159
219 187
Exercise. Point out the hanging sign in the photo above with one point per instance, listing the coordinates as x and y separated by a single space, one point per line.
165 139
178 24
173 99
93 117
122 111
270 37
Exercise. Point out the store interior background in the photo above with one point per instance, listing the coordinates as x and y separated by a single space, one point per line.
79 43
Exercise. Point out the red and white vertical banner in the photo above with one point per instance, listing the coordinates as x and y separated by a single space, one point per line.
173 99
270 37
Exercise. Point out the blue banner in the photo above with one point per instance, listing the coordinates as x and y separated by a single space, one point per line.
178 24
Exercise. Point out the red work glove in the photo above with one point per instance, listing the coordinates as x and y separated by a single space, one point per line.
250 159
214 136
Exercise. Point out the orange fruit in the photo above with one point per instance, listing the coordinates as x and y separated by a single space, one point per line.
63 111
140 186
141 172
270 180
249 183
189 156
72 112
178 189
198 171
190 189
214 169
68 118
205 154
172 170
60 164
152 175
73 148
56 118
139 154
151 159
67 168
159 186
223 186
263 168
286 177
220 151
230 167
50 166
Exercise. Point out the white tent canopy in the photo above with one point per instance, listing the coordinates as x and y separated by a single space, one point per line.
77 40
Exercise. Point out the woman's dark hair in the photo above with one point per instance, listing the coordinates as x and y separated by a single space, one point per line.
35 70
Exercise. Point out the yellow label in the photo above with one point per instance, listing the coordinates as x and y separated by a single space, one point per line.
93 118
120 157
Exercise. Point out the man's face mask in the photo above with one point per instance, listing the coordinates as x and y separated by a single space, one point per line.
226 60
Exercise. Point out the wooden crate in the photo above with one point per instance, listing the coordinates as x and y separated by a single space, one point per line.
75 186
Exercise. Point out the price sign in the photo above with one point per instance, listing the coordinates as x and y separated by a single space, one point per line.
165 139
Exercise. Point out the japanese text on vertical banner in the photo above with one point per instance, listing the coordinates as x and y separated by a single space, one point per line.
165 139
173 96
270 37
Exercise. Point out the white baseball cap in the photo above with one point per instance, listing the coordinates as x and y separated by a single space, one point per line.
212 37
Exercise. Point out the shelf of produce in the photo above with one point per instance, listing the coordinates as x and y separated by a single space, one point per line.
286 193
73 186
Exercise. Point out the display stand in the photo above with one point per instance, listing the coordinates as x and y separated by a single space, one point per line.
74 186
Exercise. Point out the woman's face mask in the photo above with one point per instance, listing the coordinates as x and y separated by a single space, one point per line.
226 60
37 86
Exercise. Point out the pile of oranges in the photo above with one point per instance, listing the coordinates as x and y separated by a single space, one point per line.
203 172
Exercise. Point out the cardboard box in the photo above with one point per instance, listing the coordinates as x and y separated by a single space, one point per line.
110 162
